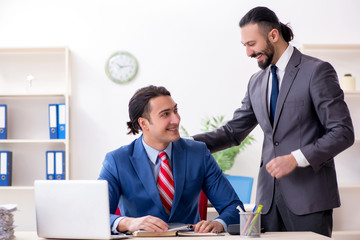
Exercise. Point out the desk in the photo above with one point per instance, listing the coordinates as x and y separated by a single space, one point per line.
265 236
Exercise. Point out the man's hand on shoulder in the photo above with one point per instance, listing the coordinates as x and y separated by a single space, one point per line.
208 226
148 223
281 166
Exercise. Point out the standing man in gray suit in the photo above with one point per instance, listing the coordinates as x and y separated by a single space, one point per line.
298 103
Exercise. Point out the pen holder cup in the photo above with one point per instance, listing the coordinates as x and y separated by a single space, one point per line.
250 224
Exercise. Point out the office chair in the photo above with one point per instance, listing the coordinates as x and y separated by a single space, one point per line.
203 204
242 186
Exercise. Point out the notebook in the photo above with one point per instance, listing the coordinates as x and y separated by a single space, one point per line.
76 209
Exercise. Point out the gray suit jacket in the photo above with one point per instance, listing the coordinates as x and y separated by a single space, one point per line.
311 115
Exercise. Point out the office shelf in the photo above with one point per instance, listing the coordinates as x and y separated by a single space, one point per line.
34 95
17 188
30 80
10 141
345 59
350 93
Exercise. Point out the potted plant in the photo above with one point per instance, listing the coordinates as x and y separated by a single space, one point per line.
224 158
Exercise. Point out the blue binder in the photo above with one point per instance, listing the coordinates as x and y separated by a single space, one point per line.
50 165
3 122
53 121
61 121
5 168
59 165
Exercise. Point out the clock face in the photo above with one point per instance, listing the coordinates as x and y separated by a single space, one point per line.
121 67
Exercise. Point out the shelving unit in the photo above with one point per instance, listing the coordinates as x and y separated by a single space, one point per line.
27 119
345 59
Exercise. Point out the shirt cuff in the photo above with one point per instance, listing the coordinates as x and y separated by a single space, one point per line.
222 223
115 225
300 158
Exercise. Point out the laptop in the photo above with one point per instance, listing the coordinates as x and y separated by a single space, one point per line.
75 209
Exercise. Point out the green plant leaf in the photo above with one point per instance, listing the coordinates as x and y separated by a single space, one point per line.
224 158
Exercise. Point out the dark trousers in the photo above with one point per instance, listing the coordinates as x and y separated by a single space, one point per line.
280 218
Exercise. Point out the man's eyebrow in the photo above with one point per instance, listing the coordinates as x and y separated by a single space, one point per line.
248 42
167 109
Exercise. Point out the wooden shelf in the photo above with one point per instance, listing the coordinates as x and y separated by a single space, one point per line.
26 95
27 108
345 58
36 50
64 141
330 47
352 93
31 79
18 188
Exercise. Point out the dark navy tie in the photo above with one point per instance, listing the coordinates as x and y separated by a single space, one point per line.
274 93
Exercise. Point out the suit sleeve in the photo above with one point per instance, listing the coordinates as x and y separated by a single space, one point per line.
109 173
333 114
220 192
234 131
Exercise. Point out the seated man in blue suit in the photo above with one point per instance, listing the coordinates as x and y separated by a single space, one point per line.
137 178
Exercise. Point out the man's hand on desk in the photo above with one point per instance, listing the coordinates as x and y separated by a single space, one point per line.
207 226
148 223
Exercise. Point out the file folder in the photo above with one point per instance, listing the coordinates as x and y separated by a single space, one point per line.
53 121
59 165
61 120
5 168
50 165
3 122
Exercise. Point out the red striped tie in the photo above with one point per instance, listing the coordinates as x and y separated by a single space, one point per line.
165 183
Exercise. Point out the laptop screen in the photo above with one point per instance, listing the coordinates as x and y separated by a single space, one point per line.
77 209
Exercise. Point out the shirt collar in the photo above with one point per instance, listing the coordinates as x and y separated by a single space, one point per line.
285 58
153 153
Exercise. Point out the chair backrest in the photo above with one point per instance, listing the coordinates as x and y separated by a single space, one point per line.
242 186
203 205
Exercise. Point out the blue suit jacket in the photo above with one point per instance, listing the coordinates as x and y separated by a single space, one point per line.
132 185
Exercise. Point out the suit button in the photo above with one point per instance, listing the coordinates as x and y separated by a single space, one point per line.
276 143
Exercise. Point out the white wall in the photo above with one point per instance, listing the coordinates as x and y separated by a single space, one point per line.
191 47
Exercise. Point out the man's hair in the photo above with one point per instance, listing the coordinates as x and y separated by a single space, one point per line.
267 20
139 105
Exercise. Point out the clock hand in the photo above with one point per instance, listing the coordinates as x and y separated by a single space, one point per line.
122 66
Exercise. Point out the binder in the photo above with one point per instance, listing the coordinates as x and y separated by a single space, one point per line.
5 168
61 120
53 121
59 165
3 122
50 165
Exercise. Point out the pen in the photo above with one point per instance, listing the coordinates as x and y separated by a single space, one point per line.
255 218
248 221
240 209
254 208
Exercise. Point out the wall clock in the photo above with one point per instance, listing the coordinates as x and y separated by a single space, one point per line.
121 67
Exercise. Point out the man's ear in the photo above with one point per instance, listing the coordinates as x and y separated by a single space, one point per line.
273 35
143 122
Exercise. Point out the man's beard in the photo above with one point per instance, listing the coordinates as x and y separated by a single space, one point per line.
268 52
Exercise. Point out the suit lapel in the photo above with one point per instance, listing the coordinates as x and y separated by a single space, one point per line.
179 162
264 100
289 77
141 165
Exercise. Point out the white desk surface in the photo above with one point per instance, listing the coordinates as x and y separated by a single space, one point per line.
266 236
